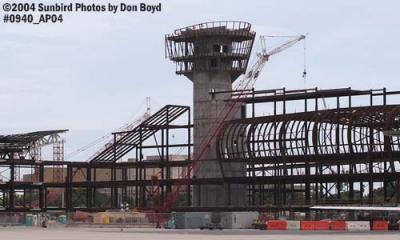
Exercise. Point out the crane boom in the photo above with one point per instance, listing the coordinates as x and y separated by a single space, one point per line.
285 45
126 127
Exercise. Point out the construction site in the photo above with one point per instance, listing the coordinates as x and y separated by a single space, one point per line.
241 157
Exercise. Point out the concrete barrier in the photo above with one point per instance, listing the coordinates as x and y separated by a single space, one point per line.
321 225
380 226
338 225
358 226
307 225
293 225
276 225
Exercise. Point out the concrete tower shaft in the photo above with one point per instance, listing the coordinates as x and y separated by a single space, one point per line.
212 55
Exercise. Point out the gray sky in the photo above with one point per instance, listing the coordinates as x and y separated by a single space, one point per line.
91 73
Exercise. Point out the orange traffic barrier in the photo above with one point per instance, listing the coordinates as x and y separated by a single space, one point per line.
321 225
276 225
307 225
338 225
380 225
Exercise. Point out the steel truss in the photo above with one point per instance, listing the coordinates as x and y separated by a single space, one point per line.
86 184
294 159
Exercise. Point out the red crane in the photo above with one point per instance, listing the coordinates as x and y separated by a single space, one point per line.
228 113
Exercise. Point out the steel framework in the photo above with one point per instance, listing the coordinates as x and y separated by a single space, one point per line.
21 152
319 155
295 157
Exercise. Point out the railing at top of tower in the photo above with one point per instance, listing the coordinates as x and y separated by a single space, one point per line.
179 46
227 25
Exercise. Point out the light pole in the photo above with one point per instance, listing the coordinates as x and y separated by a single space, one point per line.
124 209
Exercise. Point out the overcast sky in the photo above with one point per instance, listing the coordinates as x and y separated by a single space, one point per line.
92 73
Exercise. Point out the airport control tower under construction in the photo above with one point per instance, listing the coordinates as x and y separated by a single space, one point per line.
212 56
240 149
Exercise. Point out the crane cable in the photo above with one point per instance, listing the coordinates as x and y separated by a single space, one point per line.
305 63
108 135
304 73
